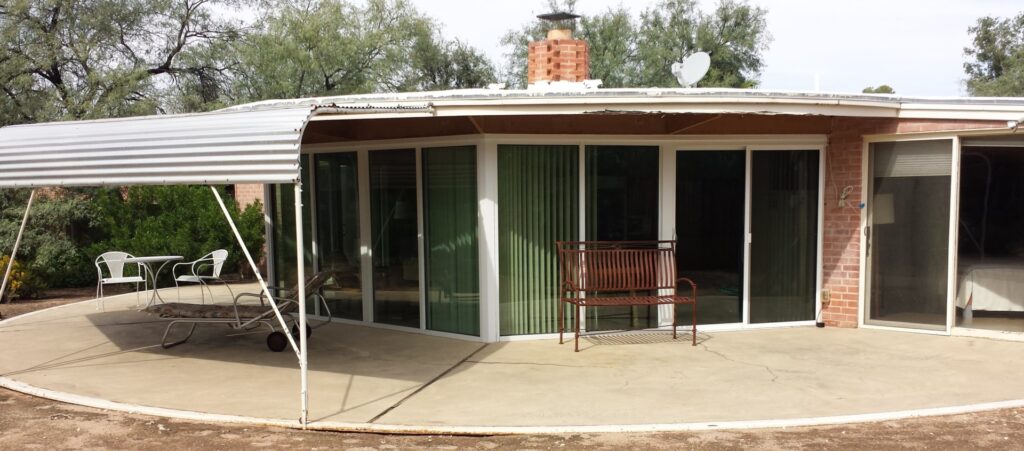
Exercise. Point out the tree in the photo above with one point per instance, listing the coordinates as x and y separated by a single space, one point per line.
334 47
626 53
80 59
880 89
995 65
439 64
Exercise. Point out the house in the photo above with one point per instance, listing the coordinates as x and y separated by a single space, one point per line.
438 211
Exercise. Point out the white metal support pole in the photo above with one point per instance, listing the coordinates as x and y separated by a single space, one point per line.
300 267
17 242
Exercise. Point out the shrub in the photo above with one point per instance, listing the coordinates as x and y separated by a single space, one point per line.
174 220
54 247
23 282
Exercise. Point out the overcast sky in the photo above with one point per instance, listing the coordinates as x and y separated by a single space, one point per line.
915 46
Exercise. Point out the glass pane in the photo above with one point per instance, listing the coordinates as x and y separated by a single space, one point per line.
710 190
337 216
784 235
450 246
990 269
622 204
538 192
282 207
909 235
395 249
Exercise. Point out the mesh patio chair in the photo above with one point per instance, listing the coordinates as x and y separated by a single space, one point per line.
114 262
202 271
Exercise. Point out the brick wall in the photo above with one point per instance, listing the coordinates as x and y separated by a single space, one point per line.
558 60
841 264
247 193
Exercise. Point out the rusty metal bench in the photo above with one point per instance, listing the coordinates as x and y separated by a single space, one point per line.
619 273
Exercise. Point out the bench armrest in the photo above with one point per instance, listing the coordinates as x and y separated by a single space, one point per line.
693 286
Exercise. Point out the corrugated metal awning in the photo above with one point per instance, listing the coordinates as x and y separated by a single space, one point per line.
250 146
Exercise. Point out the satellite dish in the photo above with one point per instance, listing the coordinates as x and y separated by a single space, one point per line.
692 69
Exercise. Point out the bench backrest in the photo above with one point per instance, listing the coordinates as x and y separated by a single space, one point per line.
593 266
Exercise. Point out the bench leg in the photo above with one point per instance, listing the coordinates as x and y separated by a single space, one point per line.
693 311
674 321
561 321
577 328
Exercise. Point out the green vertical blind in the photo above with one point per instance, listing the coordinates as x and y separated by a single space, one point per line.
450 240
538 198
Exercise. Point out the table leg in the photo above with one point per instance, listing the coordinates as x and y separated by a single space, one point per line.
149 273
156 276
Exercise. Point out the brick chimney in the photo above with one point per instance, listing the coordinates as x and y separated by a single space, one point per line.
558 58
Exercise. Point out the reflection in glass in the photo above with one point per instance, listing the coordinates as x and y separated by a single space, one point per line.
622 205
450 243
337 215
394 226
710 190
784 235
282 199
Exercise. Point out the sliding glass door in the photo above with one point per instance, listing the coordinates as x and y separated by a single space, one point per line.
395 245
710 193
622 205
450 240
908 238
784 189
538 194
282 208
337 226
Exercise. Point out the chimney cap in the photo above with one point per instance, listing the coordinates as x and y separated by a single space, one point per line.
558 16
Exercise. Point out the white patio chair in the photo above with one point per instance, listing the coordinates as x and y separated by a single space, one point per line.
114 261
202 271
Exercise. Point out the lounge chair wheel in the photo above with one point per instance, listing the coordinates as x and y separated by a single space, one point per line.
295 331
276 341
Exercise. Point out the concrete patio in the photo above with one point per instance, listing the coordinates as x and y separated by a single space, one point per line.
370 378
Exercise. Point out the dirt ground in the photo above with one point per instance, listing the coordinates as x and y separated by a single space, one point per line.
27 422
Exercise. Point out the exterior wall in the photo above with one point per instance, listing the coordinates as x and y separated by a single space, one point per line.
841 254
247 193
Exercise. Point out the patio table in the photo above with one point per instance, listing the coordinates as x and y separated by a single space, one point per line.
148 262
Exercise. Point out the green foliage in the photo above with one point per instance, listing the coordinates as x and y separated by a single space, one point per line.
174 220
437 64
80 59
996 57
53 248
23 283
336 47
880 89
627 53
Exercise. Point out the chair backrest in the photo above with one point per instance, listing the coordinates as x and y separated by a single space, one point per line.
592 266
218 257
114 261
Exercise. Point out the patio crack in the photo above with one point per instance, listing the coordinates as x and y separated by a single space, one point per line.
774 376
429 383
